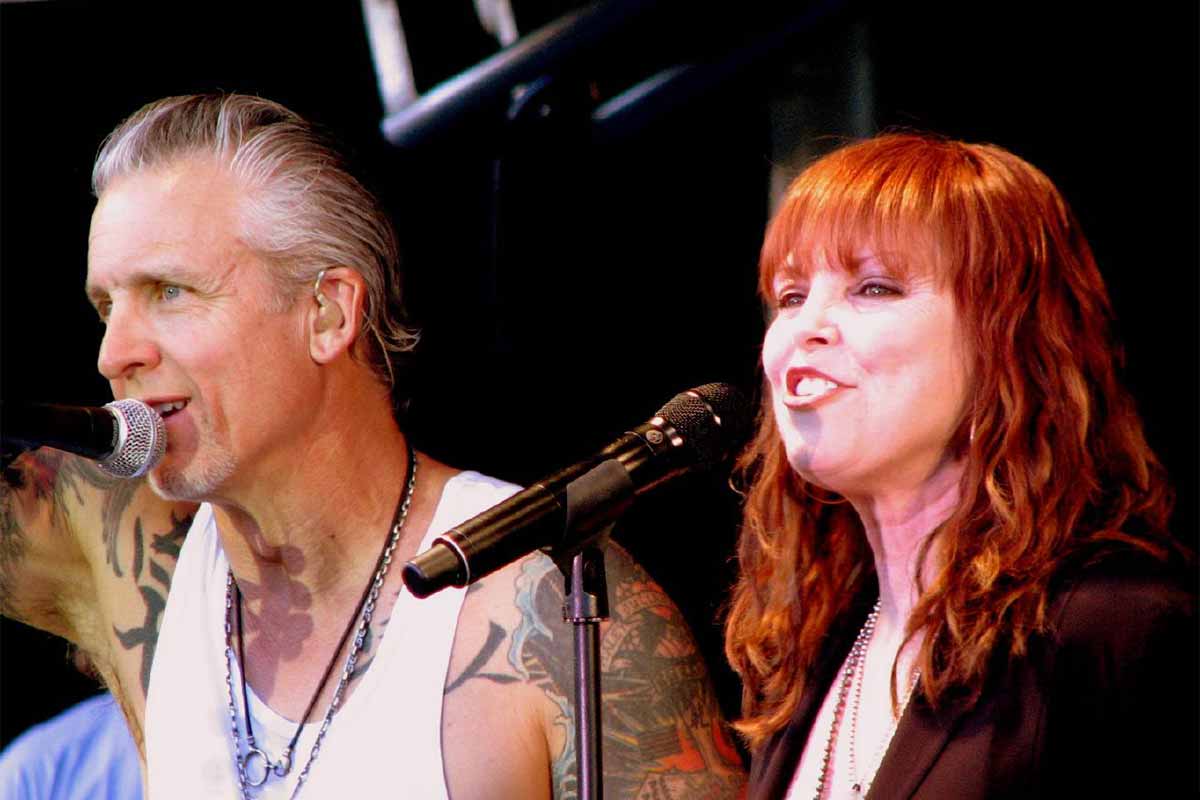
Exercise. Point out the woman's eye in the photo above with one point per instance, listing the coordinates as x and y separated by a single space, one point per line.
877 290
790 300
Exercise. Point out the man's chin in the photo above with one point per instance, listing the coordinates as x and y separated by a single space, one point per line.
170 487
194 485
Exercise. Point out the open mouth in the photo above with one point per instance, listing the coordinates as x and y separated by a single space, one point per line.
809 388
167 409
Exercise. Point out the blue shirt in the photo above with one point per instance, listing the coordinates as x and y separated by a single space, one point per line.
85 753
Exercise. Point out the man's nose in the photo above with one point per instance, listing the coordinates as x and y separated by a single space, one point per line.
127 347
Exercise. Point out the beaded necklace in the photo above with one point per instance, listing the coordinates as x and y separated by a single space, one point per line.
853 674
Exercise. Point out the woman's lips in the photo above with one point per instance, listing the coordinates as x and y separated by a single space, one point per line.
807 386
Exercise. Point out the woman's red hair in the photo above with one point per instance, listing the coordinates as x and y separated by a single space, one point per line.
1057 467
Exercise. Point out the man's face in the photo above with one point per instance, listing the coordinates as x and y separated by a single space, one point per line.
190 326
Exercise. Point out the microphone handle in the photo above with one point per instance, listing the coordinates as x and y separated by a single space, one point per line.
88 432
537 517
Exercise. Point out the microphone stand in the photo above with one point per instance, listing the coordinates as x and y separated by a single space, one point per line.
585 607
580 558
545 113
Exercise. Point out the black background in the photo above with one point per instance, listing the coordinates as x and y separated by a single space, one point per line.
626 266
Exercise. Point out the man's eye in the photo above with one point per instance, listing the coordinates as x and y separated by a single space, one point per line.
103 309
170 291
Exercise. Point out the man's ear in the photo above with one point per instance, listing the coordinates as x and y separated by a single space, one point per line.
335 313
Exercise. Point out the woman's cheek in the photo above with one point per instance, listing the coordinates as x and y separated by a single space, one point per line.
775 351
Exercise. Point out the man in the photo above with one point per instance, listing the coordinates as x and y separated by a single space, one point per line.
248 284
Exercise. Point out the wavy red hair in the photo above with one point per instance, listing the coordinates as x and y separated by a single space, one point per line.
1057 466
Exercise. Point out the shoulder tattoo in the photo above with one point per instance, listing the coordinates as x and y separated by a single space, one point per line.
664 736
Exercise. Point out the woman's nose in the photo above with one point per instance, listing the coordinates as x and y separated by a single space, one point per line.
812 326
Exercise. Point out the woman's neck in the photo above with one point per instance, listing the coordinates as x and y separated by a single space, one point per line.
897 524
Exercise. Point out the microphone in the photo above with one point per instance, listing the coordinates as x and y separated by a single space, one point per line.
126 437
571 507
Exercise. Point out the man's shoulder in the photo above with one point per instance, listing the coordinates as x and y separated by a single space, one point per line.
90 557
663 732
533 588
467 492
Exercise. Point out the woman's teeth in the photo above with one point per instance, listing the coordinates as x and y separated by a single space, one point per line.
810 388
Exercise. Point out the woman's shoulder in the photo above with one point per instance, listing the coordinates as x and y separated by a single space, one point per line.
1124 599
1120 681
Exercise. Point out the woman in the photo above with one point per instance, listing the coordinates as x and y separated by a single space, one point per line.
956 577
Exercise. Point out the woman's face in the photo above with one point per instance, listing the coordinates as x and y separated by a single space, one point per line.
868 375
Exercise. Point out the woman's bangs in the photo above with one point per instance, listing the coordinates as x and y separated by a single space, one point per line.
835 223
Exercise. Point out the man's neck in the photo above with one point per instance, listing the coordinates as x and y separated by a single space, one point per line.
304 554
312 524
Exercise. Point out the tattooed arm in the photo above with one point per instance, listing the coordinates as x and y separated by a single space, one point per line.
510 694
41 563
89 557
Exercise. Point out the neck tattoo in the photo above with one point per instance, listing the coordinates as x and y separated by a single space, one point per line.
854 672
255 767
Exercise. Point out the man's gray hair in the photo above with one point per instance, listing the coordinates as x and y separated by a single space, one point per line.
302 210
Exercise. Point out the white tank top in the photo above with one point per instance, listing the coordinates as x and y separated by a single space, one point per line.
385 741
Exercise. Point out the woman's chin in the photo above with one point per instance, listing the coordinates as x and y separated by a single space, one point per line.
815 472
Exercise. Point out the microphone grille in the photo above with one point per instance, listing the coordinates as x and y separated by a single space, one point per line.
712 419
141 439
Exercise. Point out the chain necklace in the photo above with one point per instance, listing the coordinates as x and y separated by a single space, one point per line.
362 612
854 672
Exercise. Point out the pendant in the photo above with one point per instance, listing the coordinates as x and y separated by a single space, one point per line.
258 779
284 765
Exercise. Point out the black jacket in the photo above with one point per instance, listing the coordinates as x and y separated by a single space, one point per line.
1104 705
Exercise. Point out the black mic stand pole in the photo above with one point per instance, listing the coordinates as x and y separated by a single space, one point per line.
540 118
594 501
586 605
